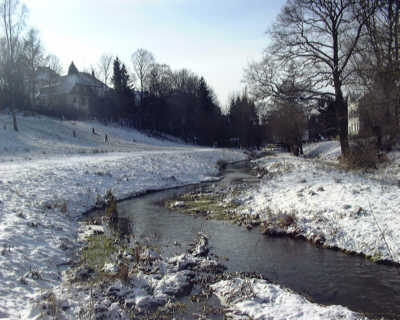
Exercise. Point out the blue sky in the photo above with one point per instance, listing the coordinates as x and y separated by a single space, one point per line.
214 38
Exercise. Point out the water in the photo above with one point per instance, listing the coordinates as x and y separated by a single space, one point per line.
324 276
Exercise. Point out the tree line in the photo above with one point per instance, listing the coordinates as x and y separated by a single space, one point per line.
176 102
148 95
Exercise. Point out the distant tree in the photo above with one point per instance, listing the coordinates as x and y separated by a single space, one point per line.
120 78
104 66
13 16
185 81
142 61
160 80
33 52
209 114
120 81
54 64
288 124
325 122
243 120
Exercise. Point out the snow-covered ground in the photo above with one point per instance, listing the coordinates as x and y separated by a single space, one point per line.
41 198
261 300
43 137
352 210
48 178
327 150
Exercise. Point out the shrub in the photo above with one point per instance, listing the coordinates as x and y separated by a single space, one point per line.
362 155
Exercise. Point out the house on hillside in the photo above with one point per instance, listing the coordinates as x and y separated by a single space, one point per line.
75 92
45 76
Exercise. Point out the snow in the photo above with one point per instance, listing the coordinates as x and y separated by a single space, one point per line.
351 210
327 150
48 178
259 300
43 137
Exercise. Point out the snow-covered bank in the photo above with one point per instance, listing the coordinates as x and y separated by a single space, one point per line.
41 199
43 137
336 208
259 300
325 150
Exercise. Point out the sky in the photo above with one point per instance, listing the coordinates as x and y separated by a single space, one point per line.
215 39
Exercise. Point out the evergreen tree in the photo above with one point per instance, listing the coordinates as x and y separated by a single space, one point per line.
120 81
243 120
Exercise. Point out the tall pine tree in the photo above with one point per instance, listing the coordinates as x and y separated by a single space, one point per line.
120 81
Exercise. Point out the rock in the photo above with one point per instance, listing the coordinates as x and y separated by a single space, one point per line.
149 255
208 265
115 290
178 204
174 284
129 303
115 312
82 274
201 246
147 302
183 261
110 268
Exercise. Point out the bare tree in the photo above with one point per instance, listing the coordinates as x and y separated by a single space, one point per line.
54 63
160 80
13 15
104 66
320 36
34 58
142 61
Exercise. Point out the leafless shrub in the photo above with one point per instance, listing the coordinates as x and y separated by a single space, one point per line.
362 155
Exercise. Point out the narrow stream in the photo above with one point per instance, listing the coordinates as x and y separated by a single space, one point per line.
324 276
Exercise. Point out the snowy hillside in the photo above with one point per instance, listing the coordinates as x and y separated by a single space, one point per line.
40 136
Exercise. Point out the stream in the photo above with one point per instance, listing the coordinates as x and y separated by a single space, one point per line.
322 275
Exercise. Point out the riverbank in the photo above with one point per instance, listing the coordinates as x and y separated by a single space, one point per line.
138 281
354 211
43 192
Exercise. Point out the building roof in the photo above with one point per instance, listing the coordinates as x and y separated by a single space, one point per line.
65 84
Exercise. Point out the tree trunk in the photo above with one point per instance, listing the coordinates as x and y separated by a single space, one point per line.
342 118
14 117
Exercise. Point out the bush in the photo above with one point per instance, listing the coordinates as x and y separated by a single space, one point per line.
363 155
